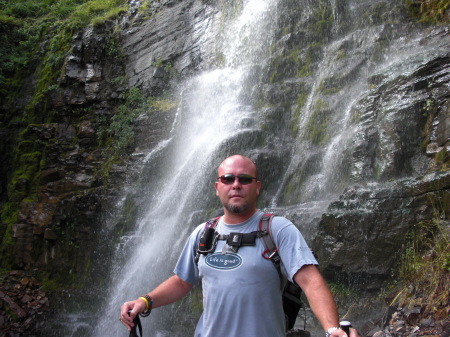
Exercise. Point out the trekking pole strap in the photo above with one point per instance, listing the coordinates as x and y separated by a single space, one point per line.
138 325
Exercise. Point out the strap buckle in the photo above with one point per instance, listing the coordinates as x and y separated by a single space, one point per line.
234 239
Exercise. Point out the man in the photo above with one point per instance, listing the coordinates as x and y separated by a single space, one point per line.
241 290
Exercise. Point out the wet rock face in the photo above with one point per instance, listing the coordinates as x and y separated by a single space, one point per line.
402 117
360 235
391 78
58 162
174 39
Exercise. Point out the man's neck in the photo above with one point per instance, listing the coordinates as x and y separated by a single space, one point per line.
236 218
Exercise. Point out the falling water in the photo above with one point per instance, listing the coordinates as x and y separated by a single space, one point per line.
212 110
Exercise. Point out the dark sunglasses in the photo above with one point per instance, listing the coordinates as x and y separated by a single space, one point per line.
244 179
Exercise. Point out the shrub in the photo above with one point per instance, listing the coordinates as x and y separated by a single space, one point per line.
29 22
425 265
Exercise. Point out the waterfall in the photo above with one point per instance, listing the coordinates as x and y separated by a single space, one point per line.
212 110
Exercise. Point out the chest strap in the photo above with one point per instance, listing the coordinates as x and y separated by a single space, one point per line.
236 240
209 237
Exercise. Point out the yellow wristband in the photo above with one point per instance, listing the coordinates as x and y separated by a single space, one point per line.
146 302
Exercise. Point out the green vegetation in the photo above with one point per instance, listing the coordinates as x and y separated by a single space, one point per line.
318 123
322 21
24 178
29 22
425 265
49 285
167 67
431 11
55 283
300 103
284 66
126 218
298 63
116 134
22 185
344 295
9 214
330 86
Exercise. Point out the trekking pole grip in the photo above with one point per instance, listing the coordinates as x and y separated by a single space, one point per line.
345 325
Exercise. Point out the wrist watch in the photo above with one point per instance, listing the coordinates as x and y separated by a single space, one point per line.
330 330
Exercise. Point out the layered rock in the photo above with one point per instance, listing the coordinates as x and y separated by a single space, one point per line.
408 143
177 38
57 164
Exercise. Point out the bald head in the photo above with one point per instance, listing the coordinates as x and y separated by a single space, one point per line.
240 160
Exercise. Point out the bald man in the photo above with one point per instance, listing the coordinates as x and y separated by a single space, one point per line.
242 295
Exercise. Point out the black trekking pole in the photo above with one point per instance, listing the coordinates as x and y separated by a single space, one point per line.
137 325
346 325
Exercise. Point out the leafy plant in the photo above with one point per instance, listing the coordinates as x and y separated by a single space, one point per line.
29 23
432 11
117 133
425 265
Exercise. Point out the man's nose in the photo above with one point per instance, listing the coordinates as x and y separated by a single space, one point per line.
236 182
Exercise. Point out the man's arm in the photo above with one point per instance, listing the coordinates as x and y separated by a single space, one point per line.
171 290
320 299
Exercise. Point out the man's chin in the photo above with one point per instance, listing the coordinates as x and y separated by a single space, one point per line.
237 209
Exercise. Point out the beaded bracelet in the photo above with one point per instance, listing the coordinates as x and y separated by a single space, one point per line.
148 305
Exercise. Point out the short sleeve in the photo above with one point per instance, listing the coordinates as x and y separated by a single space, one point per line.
186 267
292 247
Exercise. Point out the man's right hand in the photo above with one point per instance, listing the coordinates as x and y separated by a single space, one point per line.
129 310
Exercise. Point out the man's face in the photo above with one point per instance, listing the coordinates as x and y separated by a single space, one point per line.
238 198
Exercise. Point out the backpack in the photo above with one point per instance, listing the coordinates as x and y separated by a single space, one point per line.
291 293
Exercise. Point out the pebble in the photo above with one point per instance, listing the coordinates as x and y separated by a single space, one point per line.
411 323
22 298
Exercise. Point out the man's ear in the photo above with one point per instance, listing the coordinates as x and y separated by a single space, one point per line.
215 187
258 187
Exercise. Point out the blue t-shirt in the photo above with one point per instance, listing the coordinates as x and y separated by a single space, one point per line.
242 291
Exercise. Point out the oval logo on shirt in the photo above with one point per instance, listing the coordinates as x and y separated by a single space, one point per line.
223 261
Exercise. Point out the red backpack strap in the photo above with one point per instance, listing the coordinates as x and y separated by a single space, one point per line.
212 222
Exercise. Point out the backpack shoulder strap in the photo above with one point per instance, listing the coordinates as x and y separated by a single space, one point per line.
211 223
207 237
271 251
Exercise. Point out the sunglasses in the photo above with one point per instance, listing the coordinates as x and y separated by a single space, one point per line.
244 179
